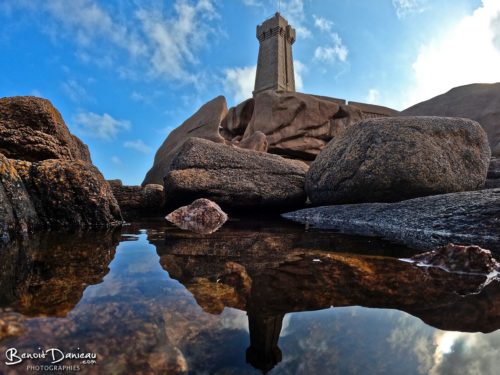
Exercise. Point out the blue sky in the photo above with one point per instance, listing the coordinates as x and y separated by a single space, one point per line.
124 73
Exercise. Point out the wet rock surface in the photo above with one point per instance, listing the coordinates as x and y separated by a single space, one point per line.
202 216
32 129
457 258
203 124
423 223
397 158
233 178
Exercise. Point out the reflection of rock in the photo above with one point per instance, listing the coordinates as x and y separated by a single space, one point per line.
392 159
47 274
263 352
202 216
203 124
456 258
11 324
469 217
234 178
290 275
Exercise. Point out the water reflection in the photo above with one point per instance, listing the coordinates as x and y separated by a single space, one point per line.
250 298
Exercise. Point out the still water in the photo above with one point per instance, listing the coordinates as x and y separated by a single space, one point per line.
254 297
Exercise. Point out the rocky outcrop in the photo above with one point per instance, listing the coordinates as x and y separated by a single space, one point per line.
234 178
202 216
297 125
396 158
457 258
257 142
69 194
204 124
46 174
423 223
17 213
478 102
32 129
138 200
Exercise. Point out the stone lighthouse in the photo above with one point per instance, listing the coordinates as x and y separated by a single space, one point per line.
275 63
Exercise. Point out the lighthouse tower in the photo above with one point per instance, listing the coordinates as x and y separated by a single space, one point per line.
275 63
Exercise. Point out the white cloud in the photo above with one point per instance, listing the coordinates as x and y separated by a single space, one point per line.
373 96
253 3
173 42
74 90
138 145
299 69
240 82
322 23
466 53
406 7
161 43
99 126
294 11
336 51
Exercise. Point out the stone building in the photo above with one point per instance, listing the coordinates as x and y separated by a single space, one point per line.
275 63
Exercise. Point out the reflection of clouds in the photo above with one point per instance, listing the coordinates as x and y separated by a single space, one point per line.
462 353
234 319
286 323
410 334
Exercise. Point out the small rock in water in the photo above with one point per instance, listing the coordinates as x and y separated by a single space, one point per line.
202 216
458 258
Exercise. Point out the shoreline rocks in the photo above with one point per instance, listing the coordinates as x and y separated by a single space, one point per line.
234 178
32 129
421 223
47 179
396 158
203 124
202 216
137 200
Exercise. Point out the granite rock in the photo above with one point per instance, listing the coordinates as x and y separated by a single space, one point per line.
396 158
32 129
234 178
204 124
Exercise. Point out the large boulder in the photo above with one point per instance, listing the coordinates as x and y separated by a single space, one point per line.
397 158
17 213
138 200
296 125
466 218
204 124
69 194
479 102
32 129
233 177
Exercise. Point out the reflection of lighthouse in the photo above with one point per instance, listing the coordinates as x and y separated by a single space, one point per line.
275 62
263 352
